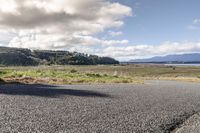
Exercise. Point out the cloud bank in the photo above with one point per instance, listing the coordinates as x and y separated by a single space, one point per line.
75 25
141 51
60 24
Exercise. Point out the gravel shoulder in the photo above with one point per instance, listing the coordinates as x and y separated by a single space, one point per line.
191 125
156 106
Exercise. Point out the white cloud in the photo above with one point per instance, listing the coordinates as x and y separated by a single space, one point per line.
34 40
196 21
74 25
60 24
195 25
141 51
114 34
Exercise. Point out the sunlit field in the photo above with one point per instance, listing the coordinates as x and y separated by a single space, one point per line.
98 74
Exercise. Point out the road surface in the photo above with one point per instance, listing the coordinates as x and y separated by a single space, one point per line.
156 106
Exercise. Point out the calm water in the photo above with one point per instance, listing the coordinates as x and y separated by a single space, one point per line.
182 64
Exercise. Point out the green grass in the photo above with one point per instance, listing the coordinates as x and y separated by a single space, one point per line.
54 76
98 74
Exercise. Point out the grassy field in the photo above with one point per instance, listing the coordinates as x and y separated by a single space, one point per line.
98 74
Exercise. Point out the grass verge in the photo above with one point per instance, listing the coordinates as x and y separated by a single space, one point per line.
62 77
98 74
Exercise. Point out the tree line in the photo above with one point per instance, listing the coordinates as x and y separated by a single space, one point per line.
27 57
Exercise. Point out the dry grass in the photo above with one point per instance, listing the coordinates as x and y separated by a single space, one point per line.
99 74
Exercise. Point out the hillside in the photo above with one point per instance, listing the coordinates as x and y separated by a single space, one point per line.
182 58
26 57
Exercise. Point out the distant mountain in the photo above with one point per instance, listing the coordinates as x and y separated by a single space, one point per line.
26 57
182 58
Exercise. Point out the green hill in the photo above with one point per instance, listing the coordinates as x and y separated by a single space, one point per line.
26 57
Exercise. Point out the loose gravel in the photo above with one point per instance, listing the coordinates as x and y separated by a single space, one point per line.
153 107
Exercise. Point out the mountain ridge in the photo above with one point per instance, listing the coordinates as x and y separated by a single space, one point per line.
180 58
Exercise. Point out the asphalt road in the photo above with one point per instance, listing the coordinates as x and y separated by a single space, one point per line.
156 106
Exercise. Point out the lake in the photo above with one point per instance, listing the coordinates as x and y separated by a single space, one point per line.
182 64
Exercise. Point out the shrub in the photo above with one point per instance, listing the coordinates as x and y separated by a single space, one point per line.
93 75
73 71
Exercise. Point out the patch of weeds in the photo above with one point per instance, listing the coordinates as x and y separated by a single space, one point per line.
38 71
125 81
2 74
115 76
93 75
19 75
1 81
105 75
73 71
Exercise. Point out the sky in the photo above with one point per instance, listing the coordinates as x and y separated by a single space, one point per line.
122 29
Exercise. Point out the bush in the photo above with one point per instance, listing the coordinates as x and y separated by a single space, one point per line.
93 75
73 71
